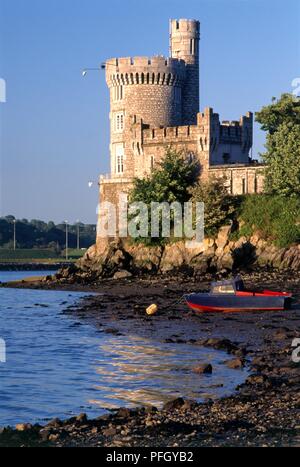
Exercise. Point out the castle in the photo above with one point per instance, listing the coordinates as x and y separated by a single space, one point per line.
154 104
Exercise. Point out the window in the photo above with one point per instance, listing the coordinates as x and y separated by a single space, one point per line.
177 95
119 121
226 157
223 289
190 157
255 185
119 158
193 47
117 93
120 164
151 163
243 186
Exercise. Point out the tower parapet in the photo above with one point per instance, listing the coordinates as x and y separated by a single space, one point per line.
149 87
145 70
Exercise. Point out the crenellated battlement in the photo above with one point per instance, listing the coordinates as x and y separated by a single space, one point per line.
157 70
191 26
208 128
170 134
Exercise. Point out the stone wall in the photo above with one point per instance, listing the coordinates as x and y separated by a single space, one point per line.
241 179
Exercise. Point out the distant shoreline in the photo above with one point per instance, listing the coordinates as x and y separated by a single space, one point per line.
33 265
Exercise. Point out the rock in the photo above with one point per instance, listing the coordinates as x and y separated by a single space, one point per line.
173 257
256 379
280 335
144 258
221 344
45 433
174 404
53 437
150 409
123 412
235 363
110 431
111 331
122 274
81 418
23 426
55 423
189 405
223 236
205 368
226 261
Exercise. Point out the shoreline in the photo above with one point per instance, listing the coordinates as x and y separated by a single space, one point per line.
264 411
33 265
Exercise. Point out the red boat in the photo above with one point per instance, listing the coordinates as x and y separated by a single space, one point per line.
231 295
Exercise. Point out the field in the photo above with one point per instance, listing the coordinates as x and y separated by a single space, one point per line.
37 255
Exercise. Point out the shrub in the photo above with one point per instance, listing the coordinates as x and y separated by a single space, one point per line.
219 206
169 182
277 218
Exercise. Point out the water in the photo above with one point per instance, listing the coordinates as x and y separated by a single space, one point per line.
58 366
6 276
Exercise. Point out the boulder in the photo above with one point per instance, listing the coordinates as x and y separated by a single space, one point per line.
223 236
144 258
225 262
174 404
173 257
23 426
235 363
81 418
123 412
122 274
205 368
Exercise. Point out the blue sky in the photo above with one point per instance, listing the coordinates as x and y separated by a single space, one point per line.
54 125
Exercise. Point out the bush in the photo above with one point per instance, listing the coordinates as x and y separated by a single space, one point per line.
219 206
281 120
277 218
169 182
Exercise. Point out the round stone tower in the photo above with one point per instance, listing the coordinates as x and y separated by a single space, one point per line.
184 44
146 87
149 88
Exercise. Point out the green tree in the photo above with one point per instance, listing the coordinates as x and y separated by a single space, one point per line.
170 181
281 120
219 206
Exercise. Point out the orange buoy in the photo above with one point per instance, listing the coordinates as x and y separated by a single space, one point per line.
152 309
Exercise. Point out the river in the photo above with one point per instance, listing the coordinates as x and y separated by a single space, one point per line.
57 366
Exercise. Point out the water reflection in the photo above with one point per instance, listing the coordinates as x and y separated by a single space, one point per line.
141 371
57 369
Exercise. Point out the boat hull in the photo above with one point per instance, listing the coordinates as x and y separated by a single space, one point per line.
230 303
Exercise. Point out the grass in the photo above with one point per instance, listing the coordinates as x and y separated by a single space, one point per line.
37 255
73 253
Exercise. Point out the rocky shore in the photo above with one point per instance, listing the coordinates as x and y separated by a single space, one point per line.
265 410
121 259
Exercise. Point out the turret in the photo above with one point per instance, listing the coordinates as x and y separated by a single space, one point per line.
148 87
184 44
